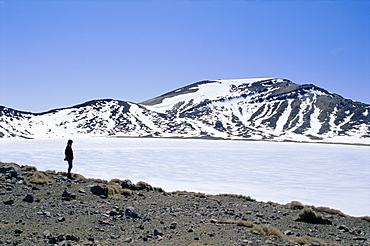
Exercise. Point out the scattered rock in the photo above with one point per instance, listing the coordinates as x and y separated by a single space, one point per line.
61 219
8 202
67 196
166 218
288 232
343 228
131 212
64 243
173 225
10 172
72 238
28 198
100 190
158 232
128 240
127 184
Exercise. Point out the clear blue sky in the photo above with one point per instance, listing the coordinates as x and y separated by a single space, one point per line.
60 53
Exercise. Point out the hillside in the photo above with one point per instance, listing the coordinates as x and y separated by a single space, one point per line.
249 109
47 208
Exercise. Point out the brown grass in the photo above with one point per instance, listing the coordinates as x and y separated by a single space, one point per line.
183 193
306 240
28 169
143 186
114 189
267 230
126 192
9 164
50 172
39 178
100 181
270 231
309 215
274 204
74 175
295 205
247 198
245 223
78 176
239 223
330 211
115 181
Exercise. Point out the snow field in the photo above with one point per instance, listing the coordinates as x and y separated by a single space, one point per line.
327 175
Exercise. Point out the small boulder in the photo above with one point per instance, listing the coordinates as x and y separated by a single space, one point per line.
72 238
61 219
158 232
28 198
8 202
127 184
68 195
173 225
131 212
99 190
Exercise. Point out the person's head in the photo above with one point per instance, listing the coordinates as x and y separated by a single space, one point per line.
70 142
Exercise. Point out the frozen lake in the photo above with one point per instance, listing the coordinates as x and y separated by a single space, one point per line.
335 176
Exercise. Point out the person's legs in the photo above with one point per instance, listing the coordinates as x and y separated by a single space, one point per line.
69 168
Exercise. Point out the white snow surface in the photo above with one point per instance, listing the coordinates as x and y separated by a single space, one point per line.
212 91
329 175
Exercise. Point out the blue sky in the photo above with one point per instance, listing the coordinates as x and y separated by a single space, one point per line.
60 53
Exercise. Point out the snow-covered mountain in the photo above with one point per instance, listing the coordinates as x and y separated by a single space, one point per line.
258 108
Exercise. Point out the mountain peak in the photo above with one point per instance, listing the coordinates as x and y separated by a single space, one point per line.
254 108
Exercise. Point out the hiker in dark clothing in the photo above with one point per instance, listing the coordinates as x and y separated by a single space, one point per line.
69 157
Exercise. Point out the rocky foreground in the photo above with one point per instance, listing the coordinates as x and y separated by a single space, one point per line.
47 208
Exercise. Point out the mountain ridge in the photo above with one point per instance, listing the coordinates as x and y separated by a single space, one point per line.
255 108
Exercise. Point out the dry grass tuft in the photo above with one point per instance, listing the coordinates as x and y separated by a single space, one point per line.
100 181
245 223
267 230
330 211
184 193
143 186
39 178
9 164
78 176
196 244
28 169
239 223
126 192
114 189
308 215
295 205
306 240
49 172
115 181
247 198
274 204
74 175
270 231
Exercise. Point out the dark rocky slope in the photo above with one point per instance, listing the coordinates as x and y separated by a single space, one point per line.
46 208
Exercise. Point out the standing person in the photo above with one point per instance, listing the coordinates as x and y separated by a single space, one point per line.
69 157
